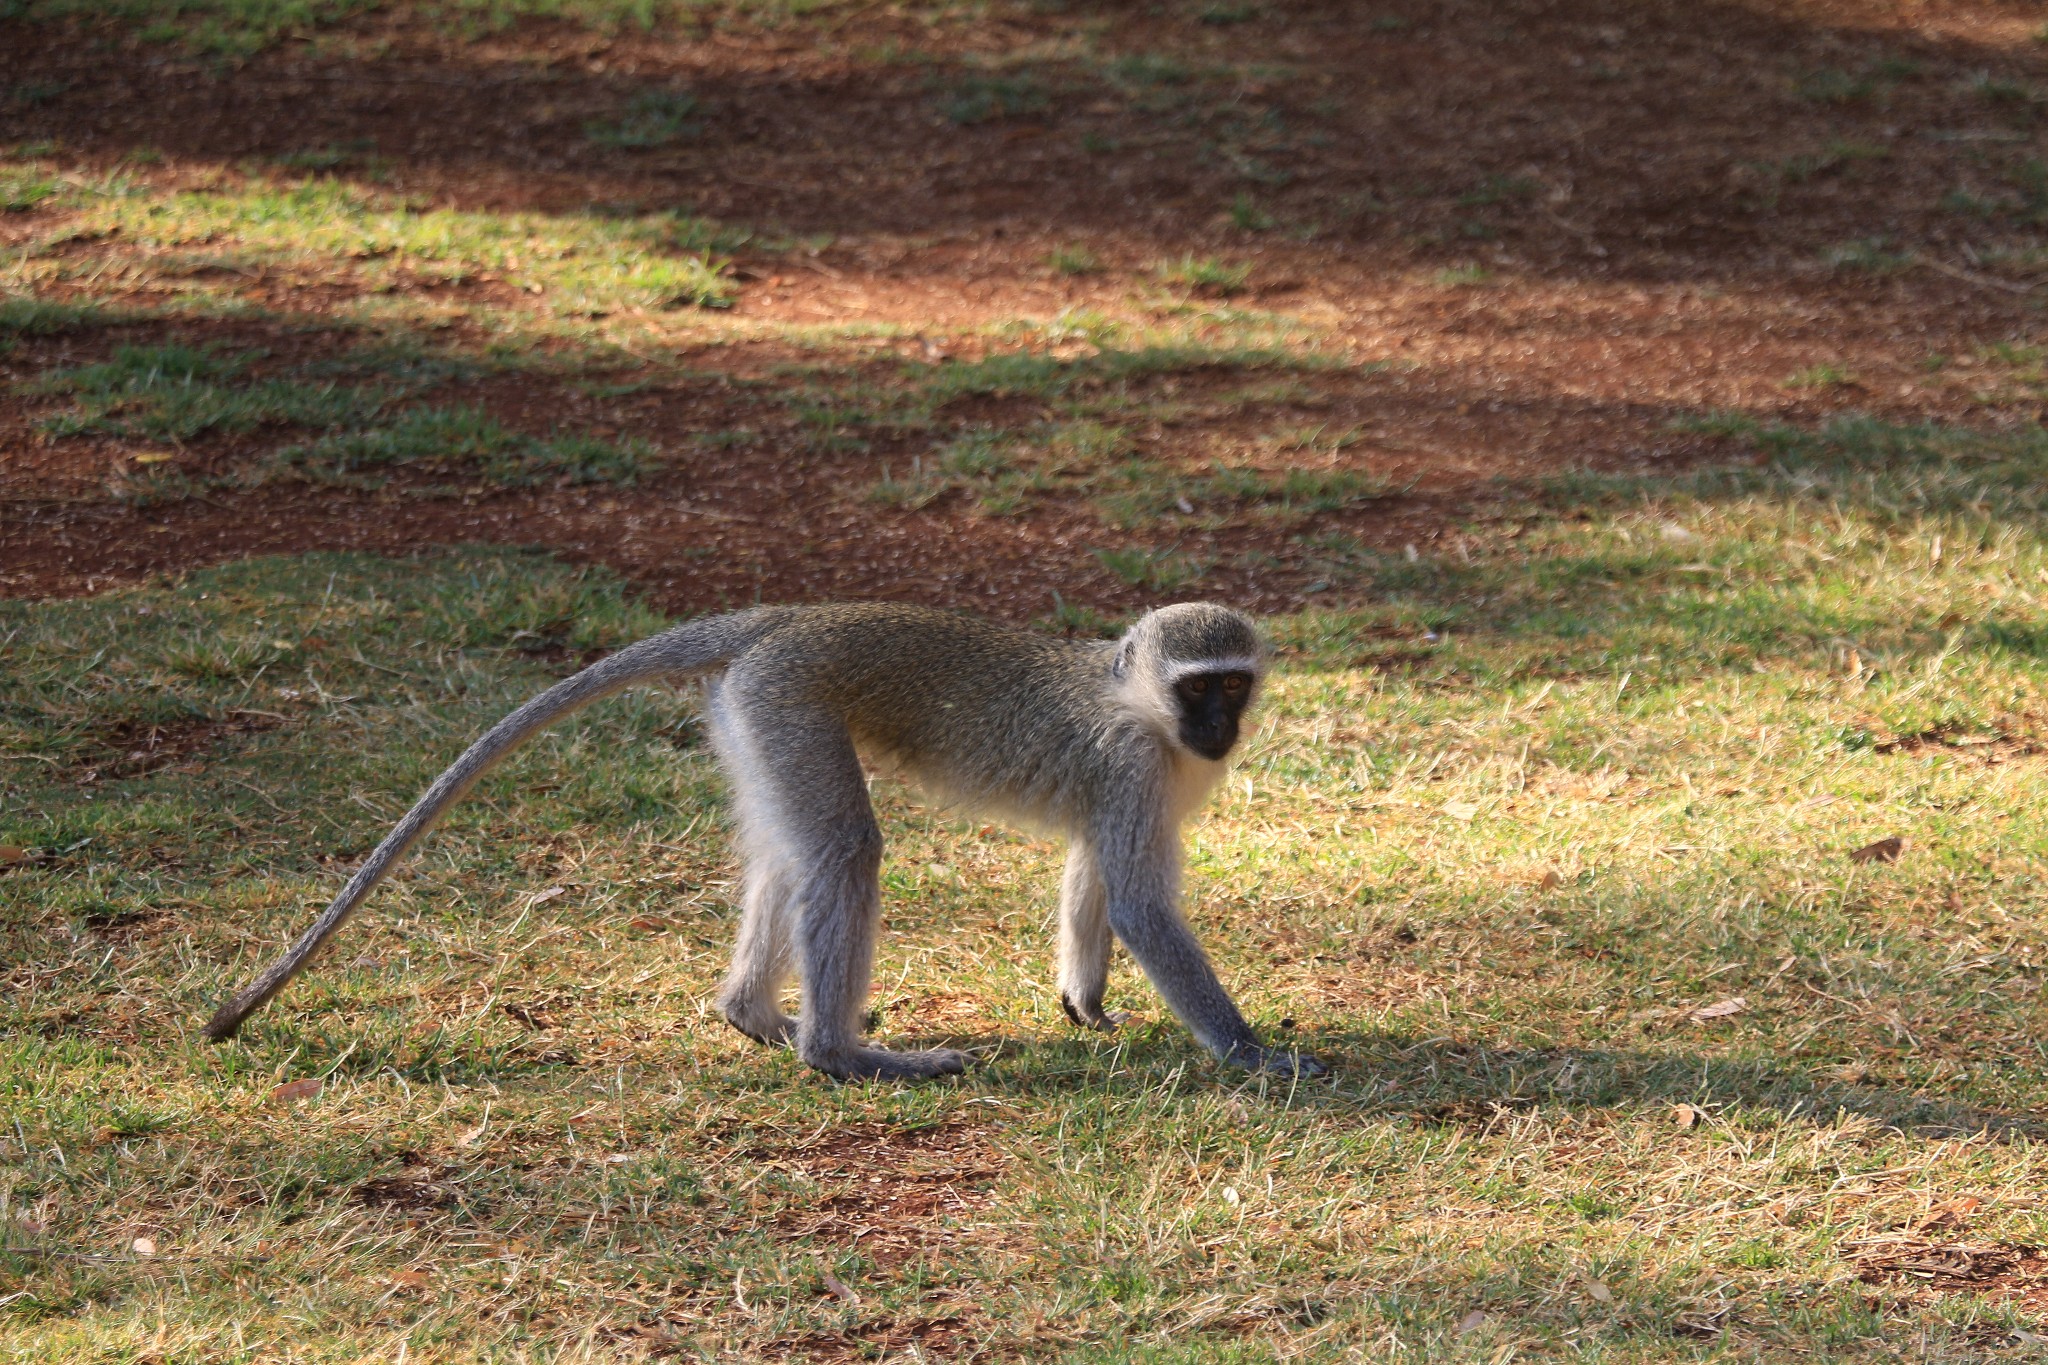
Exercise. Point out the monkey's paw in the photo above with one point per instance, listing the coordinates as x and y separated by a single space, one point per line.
1280 1060
881 1064
1091 1015
769 1026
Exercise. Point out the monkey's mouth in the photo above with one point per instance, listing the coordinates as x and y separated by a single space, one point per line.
1208 743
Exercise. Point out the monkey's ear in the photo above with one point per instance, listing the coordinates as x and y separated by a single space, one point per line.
1125 652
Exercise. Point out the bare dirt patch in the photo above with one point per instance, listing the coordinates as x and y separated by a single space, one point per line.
1989 749
1536 236
412 1192
135 748
895 1195
2006 1271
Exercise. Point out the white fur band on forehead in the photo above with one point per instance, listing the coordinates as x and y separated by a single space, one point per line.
1236 663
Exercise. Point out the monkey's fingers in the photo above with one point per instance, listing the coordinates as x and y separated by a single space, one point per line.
1092 1016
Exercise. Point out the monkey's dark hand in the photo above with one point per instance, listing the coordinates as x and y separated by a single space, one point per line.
1283 1061
1092 1016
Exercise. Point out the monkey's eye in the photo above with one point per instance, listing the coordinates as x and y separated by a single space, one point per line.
1197 686
1234 685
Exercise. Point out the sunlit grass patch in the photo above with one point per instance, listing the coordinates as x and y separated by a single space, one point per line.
1154 570
1509 820
1007 471
1140 492
457 438
604 281
570 264
177 394
1204 275
21 191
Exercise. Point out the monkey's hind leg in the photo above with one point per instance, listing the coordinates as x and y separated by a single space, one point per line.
838 910
1085 943
751 998
812 801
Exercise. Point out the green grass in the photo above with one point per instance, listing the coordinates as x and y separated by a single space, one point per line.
1137 493
1075 260
1153 570
239 28
573 265
1204 275
974 99
1821 376
1463 276
652 118
22 191
1873 254
1247 216
458 438
1502 826
1506 821
176 394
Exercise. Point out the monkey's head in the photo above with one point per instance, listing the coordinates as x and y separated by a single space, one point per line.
1193 669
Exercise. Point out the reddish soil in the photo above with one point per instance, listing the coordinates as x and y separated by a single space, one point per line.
893 1196
2000 1270
1652 187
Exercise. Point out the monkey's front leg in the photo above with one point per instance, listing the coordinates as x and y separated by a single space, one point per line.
1084 943
1140 886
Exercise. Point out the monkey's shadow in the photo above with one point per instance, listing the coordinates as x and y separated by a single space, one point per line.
1445 1080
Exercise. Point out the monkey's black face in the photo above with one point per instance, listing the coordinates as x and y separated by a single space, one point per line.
1210 704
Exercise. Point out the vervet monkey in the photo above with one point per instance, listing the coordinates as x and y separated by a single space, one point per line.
1112 744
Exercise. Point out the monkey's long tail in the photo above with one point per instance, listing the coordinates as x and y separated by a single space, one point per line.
688 650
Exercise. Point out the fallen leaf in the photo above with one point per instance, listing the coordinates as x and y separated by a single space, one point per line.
1685 1116
1883 851
1951 1212
152 456
411 1279
543 897
1698 1324
836 1285
1471 1322
144 1246
470 1137
293 1091
652 923
532 1018
1550 880
1673 531
1461 810
1720 1009
1231 1196
1599 1291
11 854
